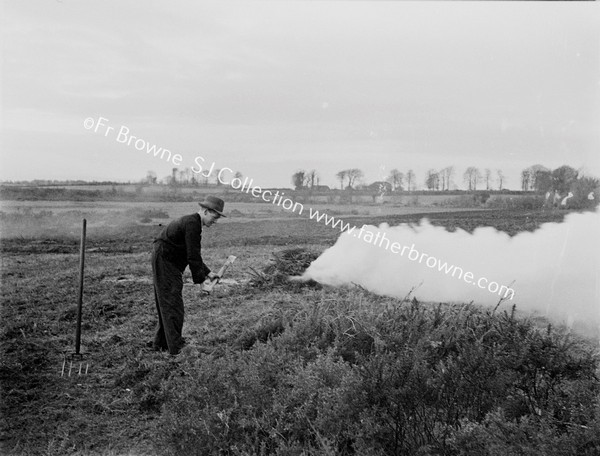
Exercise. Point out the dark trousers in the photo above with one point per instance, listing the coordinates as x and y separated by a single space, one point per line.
168 289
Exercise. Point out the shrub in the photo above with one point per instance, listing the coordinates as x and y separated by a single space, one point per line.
581 189
284 264
355 374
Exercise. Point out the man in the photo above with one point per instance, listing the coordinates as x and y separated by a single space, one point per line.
177 247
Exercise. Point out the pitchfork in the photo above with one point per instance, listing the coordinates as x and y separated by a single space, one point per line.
77 356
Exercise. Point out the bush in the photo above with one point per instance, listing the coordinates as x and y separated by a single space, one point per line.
358 375
581 189
284 264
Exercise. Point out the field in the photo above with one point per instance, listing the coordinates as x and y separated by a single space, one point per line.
272 367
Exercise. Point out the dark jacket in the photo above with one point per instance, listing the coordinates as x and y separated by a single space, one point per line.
181 245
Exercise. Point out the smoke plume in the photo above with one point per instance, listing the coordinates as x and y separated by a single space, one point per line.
553 271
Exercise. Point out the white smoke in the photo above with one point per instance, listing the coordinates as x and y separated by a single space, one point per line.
554 271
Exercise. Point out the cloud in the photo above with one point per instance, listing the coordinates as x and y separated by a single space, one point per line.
417 79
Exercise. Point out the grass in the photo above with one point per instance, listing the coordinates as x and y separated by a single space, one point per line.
47 414
274 368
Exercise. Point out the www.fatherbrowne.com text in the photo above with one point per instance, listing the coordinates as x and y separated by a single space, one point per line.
226 176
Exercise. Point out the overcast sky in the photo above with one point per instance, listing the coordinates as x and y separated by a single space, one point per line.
267 88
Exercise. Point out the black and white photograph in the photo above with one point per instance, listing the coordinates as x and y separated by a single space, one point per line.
300 228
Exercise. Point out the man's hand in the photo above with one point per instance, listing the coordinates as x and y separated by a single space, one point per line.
213 276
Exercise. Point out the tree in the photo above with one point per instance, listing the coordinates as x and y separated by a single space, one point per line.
151 177
525 179
535 178
395 179
184 176
446 177
442 177
542 181
341 176
487 175
582 188
312 178
563 178
471 176
354 175
410 179
501 178
380 188
433 180
298 179
540 178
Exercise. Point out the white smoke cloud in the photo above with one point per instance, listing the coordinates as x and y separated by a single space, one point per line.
554 271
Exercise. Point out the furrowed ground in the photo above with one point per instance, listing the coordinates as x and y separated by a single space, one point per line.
275 368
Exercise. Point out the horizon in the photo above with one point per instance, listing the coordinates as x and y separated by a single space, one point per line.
420 186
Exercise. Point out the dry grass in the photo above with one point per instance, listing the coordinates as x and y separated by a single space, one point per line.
119 407
112 408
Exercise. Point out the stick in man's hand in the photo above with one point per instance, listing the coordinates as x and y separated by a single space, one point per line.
209 284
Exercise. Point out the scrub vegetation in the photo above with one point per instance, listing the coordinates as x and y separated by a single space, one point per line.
278 368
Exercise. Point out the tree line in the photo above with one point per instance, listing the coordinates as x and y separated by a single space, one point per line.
437 180
540 179
186 176
536 178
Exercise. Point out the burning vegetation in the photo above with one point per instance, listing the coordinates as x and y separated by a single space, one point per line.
284 264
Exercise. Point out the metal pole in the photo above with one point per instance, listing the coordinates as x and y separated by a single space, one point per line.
80 296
